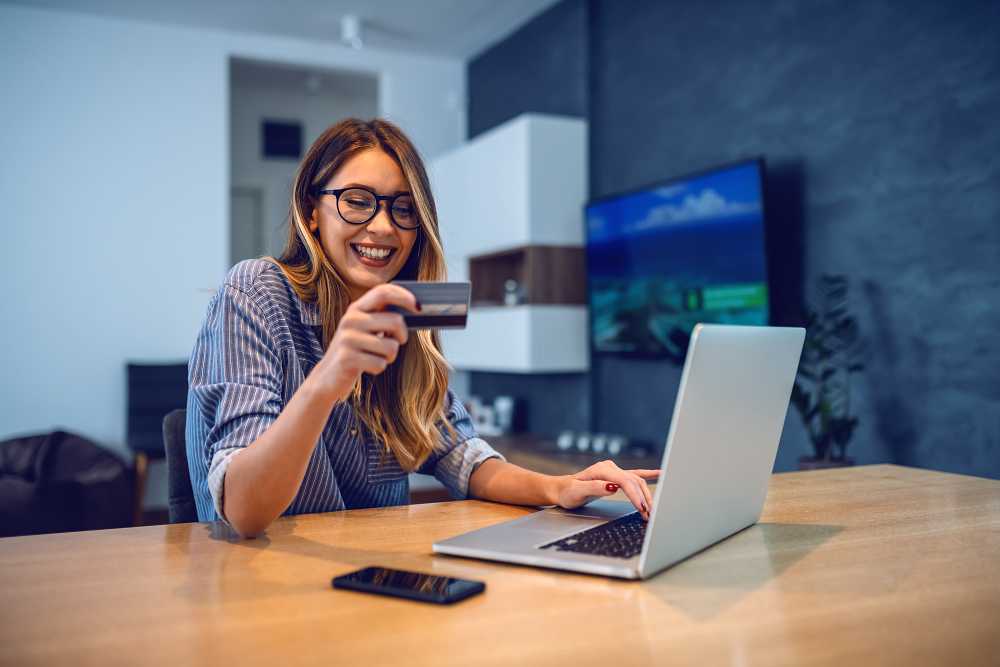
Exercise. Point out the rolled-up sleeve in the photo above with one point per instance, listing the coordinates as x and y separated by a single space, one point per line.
235 382
457 456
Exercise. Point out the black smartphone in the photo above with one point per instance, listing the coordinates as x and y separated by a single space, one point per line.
410 585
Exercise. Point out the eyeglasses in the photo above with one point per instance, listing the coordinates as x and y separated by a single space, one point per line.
359 205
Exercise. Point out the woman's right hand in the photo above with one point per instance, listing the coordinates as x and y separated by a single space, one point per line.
367 339
604 479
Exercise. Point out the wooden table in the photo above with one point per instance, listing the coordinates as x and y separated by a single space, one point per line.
872 565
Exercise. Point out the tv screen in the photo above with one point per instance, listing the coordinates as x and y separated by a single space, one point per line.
671 255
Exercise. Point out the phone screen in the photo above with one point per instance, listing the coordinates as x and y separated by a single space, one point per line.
411 585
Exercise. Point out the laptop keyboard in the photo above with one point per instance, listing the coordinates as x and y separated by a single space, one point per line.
621 538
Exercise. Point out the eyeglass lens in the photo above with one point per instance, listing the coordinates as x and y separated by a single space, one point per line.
356 205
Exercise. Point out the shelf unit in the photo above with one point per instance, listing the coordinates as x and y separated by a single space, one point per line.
546 274
510 205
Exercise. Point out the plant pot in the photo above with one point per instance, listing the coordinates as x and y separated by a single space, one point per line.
813 463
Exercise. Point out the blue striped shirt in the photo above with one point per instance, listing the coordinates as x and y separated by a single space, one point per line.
258 343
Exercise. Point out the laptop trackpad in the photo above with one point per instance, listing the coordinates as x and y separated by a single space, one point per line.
602 509
556 522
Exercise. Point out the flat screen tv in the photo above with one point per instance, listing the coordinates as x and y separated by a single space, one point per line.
683 251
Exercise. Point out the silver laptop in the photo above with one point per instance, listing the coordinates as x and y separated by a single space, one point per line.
723 438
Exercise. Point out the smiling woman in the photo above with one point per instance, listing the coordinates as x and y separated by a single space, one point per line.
338 218
372 247
307 395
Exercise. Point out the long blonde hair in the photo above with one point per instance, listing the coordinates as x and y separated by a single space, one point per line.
403 405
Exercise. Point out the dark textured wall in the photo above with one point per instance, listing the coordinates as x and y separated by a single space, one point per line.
542 67
885 116
548 403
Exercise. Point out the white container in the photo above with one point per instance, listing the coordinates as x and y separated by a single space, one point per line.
520 339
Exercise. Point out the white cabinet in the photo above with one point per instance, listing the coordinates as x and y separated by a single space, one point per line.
523 183
521 339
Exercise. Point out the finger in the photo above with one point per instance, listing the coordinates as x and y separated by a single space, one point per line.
647 494
633 487
385 323
387 348
387 294
630 488
643 487
644 473
372 364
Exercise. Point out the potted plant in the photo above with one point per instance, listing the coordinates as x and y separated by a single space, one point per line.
822 392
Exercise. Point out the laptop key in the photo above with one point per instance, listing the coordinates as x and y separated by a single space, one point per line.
621 538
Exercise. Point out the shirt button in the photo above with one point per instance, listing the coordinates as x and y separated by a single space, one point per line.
354 431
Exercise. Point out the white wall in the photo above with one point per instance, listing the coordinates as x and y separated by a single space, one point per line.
252 102
114 192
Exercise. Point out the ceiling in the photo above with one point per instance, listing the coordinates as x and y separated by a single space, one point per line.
451 28
257 75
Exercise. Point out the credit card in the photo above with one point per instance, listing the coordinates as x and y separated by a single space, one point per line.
442 305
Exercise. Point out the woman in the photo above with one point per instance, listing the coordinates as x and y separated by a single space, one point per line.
307 395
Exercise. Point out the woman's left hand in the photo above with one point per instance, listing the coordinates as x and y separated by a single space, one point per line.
604 479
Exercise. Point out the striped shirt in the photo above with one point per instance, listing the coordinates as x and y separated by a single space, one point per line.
258 343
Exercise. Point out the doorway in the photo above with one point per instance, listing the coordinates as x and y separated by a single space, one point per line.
276 111
248 237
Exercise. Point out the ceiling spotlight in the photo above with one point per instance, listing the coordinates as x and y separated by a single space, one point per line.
351 31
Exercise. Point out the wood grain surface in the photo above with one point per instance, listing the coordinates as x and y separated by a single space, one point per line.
871 565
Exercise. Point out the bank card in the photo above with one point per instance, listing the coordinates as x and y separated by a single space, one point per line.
442 305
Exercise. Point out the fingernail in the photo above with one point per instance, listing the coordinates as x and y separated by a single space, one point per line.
419 307
644 510
611 487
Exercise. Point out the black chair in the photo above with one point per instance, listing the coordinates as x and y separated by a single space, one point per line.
153 391
181 495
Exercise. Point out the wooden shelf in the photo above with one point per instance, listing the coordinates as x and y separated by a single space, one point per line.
548 274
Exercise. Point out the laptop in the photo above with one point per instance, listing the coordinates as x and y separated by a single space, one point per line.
727 421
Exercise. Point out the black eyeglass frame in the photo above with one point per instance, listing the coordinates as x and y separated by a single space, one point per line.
378 200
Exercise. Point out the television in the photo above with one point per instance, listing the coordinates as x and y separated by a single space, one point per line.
670 255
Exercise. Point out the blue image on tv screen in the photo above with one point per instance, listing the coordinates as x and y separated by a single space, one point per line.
665 258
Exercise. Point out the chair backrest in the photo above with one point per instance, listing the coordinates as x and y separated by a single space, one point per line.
180 500
153 391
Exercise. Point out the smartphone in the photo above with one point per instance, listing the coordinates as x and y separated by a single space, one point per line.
442 305
410 585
